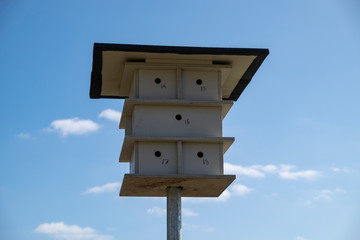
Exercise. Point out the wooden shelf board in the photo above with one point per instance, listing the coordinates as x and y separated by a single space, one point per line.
137 185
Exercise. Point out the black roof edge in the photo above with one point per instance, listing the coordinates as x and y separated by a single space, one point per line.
179 49
246 78
96 77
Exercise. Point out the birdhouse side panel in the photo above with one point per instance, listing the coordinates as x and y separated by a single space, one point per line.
133 162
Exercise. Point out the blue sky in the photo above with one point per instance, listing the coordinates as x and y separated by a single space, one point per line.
297 124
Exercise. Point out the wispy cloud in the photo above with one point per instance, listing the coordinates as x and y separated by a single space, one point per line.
108 187
157 211
245 171
324 195
300 238
187 212
335 169
239 189
260 171
111 114
327 195
24 136
286 172
59 230
340 170
73 126
224 197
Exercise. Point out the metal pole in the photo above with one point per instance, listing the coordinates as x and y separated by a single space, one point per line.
173 213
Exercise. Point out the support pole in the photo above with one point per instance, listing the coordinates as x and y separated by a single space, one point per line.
173 213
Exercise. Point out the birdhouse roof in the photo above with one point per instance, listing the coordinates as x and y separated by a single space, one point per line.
114 64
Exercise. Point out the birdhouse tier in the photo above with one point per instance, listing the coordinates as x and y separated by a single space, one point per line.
128 152
192 185
177 121
164 72
174 81
177 158
179 105
162 158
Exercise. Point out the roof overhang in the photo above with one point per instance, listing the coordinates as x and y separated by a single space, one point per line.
112 64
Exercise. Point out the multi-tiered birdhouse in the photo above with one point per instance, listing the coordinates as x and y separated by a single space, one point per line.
175 101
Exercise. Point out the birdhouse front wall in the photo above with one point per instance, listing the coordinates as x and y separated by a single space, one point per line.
177 158
202 158
176 83
159 84
155 158
177 121
201 85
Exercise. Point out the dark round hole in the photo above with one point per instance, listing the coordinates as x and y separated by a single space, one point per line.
178 117
157 154
157 80
200 154
199 82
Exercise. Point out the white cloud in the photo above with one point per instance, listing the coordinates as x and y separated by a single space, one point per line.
340 170
239 189
59 230
324 195
286 173
156 211
108 187
300 238
224 197
111 115
286 168
73 126
187 212
240 170
260 171
266 168
24 136
327 195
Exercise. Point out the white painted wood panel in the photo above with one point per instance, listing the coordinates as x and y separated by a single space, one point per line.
200 85
156 158
133 162
157 84
202 158
177 121
177 158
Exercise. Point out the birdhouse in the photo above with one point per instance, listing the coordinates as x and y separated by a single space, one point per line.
175 101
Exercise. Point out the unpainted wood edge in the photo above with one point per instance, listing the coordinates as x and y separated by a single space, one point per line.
226 181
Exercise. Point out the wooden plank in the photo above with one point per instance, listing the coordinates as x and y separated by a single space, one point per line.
193 185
